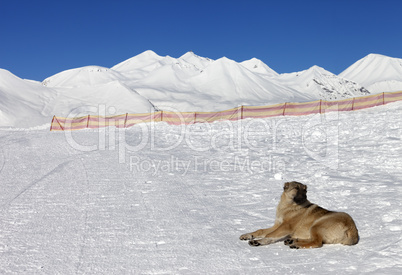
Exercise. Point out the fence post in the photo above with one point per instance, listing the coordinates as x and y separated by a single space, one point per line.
241 116
88 121
195 117
59 123
51 124
125 121
161 115
353 104
320 105
284 109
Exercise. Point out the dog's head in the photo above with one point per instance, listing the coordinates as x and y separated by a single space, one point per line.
295 191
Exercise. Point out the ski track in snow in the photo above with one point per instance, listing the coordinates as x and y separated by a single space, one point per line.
179 204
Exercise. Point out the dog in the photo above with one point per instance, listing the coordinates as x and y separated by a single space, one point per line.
302 224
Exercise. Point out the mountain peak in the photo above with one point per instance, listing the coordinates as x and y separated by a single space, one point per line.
374 69
84 76
257 66
197 61
320 70
148 54
139 61
225 59
188 55
376 56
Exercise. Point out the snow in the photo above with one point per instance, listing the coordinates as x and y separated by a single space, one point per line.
256 65
27 104
189 83
114 97
197 61
22 100
229 81
377 73
163 199
86 76
322 84
146 62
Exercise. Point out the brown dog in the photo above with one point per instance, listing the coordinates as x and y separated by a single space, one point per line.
302 224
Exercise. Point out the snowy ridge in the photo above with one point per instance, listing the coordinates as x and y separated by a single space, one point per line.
85 76
257 66
29 104
186 84
322 84
22 101
198 62
377 73
146 62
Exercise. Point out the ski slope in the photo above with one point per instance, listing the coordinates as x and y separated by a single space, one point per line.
162 199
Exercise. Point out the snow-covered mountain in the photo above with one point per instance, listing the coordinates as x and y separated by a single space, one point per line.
319 83
257 66
148 81
212 86
377 73
85 76
23 102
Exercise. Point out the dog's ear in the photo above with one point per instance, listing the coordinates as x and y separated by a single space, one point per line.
305 187
286 186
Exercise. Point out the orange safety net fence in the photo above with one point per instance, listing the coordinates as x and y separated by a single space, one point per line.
242 112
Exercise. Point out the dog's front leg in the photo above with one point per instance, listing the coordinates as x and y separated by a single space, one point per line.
261 233
281 233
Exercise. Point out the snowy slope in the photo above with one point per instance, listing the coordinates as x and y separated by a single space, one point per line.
24 103
198 62
319 83
85 76
257 66
228 78
188 83
29 104
377 73
107 99
160 199
140 65
193 83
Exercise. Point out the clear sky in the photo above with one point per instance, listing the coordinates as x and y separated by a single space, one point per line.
41 38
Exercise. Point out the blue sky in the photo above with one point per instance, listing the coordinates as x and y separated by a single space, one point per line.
41 38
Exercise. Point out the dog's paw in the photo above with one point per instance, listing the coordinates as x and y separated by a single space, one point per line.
288 241
292 243
254 243
246 237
